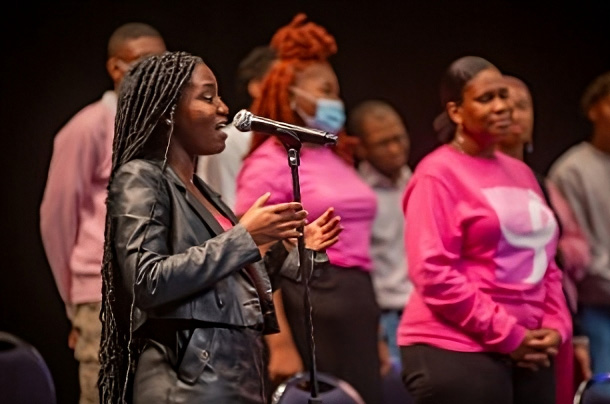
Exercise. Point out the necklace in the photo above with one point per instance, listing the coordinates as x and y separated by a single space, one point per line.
462 145
458 144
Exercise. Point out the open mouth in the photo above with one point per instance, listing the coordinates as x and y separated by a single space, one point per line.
221 125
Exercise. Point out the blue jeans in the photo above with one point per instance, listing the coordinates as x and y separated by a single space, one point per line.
389 324
595 321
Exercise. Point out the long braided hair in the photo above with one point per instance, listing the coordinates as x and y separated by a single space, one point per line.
148 95
297 45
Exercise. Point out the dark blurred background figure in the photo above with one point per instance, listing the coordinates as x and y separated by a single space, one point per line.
73 210
383 153
573 254
582 174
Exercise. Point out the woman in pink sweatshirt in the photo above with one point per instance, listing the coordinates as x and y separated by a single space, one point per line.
488 311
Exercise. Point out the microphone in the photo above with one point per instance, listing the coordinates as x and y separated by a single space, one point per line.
292 135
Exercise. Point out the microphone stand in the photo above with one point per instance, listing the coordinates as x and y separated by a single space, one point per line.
293 145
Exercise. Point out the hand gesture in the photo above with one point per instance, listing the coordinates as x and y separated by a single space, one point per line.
323 232
273 222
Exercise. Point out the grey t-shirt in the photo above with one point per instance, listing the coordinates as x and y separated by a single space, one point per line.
582 174
390 273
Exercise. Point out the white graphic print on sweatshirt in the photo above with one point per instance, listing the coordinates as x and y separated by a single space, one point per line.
527 225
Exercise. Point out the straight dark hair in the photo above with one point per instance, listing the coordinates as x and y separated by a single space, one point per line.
456 77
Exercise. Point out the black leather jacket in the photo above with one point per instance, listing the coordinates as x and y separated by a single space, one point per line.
177 260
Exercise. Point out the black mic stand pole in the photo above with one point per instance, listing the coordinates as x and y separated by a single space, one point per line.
293 146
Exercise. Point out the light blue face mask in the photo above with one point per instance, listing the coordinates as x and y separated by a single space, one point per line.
330 114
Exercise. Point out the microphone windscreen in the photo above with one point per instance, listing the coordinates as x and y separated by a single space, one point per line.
243 120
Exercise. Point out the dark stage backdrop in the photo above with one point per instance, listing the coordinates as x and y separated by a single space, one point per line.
53 58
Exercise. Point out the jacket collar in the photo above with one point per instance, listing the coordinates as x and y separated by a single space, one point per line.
215 199
203 212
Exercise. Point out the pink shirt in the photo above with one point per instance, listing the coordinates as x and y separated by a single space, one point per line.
223 221
325 181
481 244
73 209
573 245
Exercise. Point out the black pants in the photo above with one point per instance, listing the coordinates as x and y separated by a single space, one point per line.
438 376
346 324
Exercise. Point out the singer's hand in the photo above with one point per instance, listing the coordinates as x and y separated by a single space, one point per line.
273 222
323 232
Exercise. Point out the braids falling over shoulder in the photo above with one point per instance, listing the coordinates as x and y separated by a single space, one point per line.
148 92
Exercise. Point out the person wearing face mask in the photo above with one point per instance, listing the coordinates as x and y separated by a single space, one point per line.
302 88
72 211
329 113
487 313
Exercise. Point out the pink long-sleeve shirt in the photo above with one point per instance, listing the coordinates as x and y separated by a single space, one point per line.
480 242
573 244
73 209
325 181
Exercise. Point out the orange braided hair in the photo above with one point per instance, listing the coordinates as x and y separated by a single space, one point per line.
297 45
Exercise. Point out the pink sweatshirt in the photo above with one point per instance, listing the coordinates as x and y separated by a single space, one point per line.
73 210
573 245
325 181
480 244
